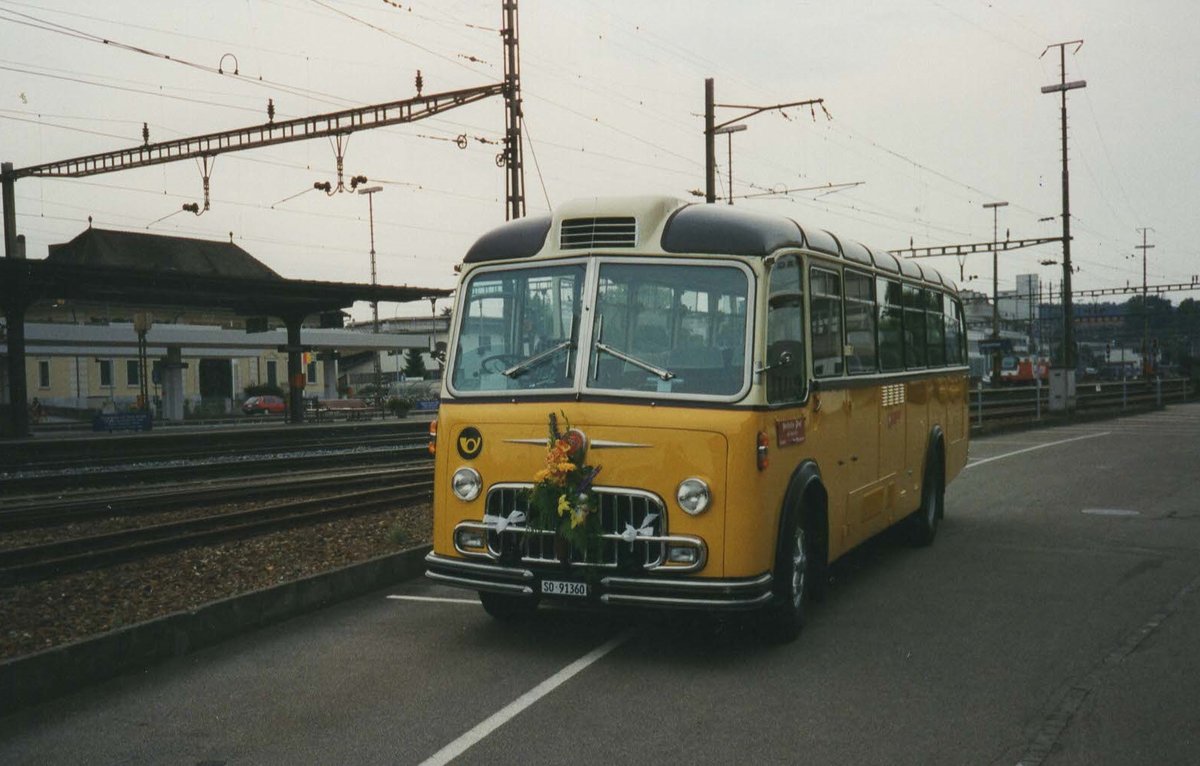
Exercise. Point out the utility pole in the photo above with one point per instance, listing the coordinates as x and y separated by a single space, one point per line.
371 191
1146 366
995 206
515 178
336 125
712 129
1062 87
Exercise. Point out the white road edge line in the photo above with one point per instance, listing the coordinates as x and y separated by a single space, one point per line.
437 600
512 709
1031 449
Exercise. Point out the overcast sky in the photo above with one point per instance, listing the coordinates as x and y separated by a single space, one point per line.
934 109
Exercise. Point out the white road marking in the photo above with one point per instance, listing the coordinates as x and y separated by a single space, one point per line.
474 601
1031 449
1109 512
512 709
1075 691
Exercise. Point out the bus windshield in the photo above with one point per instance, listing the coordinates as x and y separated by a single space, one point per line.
519 329
667 328
657 329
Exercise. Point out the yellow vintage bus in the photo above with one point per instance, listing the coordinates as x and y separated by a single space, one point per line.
758 397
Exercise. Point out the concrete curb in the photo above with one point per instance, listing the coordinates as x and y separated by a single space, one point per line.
38 677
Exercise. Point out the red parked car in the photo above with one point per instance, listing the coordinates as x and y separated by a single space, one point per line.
263 405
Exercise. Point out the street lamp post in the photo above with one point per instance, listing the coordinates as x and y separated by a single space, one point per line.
370 191
995 206
729 130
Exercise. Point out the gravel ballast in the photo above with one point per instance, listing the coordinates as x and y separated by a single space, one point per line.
41 615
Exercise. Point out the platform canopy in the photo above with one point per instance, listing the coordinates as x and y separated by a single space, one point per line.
140 269
143 270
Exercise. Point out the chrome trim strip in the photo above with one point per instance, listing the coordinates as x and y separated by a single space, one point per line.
619 599
596 444
466 582
515 573
703 586
605 444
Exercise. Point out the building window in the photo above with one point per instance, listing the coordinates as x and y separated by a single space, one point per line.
312 372
133 374
44 374
106 376
272 374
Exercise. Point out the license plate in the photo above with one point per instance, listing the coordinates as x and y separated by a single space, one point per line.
564 588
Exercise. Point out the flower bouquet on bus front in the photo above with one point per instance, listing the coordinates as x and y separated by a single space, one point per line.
562 499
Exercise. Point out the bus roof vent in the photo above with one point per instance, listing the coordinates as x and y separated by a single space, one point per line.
586 233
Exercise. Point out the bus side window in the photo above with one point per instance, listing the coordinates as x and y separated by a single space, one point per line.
785 380
935 328
891 324
825 289
914 328
860 323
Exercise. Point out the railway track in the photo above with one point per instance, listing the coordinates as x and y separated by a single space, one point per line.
53 510
283 460
38 562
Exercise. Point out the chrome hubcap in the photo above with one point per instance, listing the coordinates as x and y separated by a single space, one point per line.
799 566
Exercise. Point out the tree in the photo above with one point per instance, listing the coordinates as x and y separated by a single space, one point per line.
414 364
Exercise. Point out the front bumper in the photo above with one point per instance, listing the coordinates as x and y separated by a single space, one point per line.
610 590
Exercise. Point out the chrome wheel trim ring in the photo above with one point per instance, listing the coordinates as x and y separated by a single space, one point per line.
799 567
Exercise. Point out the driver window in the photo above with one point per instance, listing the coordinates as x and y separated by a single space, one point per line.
784 358
526 319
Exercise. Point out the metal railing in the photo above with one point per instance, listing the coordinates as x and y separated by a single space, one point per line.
1032 402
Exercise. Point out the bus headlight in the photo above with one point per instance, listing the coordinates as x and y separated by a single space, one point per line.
693 496
466 484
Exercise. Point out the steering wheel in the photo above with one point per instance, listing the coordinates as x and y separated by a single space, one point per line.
498 363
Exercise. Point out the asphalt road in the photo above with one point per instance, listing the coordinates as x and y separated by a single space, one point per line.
1054 621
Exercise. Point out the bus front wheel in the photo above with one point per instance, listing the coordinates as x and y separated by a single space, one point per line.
793 575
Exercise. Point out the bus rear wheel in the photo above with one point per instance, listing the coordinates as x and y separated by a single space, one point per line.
507 608
923 524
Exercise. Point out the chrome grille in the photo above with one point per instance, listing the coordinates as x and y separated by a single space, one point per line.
618 507
581 233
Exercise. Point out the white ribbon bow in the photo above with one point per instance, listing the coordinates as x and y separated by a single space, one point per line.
500 523
631 533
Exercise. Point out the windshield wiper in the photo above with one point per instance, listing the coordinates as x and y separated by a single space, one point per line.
530 362
658 371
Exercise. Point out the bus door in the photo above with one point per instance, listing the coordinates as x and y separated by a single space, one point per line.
868 497
892 421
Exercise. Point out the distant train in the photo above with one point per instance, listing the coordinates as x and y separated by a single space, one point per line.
1017 370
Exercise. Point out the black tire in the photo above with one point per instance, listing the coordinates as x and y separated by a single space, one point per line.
923 524
507 608
784 618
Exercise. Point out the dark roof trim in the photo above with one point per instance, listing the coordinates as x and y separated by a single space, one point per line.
516 239
142 251
26 281
721 230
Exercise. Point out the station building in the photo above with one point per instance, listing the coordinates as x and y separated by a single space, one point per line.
100 347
